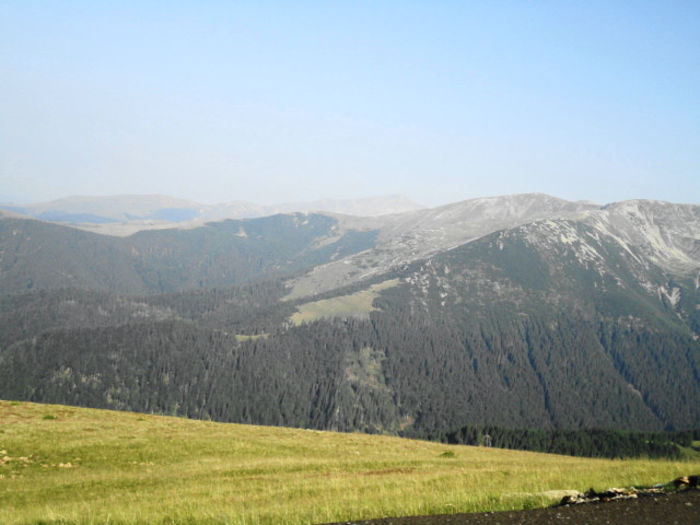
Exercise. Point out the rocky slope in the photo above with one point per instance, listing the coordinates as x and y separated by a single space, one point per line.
668 234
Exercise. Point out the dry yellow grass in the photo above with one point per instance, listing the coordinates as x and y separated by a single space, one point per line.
95 466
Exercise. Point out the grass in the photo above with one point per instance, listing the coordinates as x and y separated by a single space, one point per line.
358 304
97 466
254 337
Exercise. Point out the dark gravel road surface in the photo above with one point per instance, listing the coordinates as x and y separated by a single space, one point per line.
681 508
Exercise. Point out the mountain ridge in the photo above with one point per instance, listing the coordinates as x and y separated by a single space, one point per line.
127 214
541 313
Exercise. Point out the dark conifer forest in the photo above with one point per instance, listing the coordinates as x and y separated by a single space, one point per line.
593 349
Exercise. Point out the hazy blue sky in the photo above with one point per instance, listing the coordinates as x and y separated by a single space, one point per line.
280 101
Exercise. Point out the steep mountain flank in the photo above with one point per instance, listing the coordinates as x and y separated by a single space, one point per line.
585 317
36 255
581 316
416 235
665 234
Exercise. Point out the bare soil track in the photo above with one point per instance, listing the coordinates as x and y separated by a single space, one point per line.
680 508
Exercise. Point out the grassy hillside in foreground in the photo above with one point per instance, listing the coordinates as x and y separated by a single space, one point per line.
62 464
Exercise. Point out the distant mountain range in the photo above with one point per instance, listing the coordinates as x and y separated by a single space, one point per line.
127 214
520 311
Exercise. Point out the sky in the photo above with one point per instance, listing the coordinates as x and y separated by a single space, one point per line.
284 101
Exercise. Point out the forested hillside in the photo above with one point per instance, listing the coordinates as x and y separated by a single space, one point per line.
587 443
38 256
555 324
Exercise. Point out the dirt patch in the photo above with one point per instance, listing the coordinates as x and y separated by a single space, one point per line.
679 508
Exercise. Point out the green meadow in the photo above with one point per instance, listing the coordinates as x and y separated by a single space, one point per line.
62 464
358 304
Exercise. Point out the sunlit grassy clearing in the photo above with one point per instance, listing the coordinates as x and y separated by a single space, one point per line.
358 304
128 468
254 337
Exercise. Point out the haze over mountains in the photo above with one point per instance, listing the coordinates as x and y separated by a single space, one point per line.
126 214
520 310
